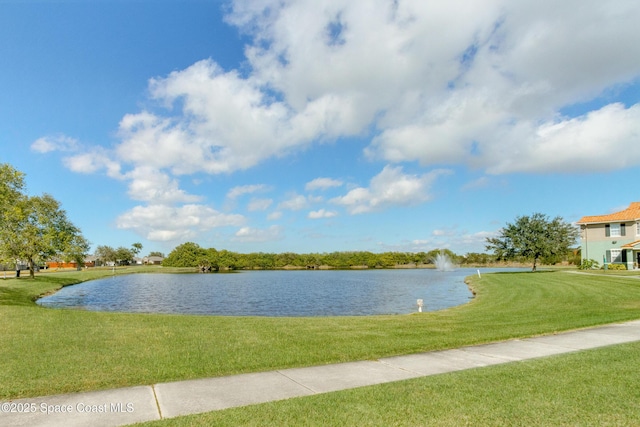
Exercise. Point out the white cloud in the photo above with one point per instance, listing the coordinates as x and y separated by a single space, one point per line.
161 143
149 185
48 144
463 82
476 184
460 241
444 86
391 187
274 216
481 84
92 161
226 122
321 213
295 203
464 242
322 184
249 234
600 141
167 223
246 189
420 242
259 205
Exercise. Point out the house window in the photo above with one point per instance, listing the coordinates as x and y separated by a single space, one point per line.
614 255
615 230
638 228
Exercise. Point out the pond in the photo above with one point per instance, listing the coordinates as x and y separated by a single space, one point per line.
271 293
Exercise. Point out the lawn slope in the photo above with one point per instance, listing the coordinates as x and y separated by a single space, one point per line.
46 351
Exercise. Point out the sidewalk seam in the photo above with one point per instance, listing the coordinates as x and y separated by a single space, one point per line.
155 398
390 365
299 383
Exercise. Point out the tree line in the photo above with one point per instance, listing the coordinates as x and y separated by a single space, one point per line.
535 238
117 256
108 255
193 255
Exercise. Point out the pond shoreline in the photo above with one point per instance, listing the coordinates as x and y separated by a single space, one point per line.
276 293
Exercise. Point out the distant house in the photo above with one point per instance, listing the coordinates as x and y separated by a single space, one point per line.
88 262
152 260
612 238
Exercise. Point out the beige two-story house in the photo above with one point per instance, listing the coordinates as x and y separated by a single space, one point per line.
612 238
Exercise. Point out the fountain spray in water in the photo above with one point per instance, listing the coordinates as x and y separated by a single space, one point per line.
443 262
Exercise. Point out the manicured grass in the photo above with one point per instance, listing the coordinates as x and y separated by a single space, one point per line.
597 387
46 351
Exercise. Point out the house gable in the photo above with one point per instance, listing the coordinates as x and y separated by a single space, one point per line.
632 213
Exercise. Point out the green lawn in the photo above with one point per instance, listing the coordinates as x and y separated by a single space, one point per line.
592 388
45 351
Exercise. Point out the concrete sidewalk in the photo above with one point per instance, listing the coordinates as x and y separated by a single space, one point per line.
145 403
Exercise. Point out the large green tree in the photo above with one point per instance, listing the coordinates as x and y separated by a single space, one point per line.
74 246
105 254
118 256
125 256
185 255
533 237
34 228
11 188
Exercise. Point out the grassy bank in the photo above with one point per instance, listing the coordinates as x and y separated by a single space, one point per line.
47 351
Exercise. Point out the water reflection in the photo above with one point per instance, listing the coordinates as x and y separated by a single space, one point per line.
270 293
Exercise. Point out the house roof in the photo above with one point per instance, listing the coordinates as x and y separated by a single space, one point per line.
632 213
631 245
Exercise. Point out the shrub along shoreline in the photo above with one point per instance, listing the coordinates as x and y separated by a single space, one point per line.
52 351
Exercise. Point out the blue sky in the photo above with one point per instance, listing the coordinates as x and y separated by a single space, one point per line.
319 126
